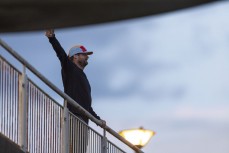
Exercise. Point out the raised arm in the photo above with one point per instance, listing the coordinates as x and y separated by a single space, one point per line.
56 46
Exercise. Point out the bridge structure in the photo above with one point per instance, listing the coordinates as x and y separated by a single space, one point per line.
32 121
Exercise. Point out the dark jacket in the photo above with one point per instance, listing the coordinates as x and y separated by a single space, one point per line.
75 82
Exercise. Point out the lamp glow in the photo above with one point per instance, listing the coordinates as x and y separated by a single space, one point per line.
138 137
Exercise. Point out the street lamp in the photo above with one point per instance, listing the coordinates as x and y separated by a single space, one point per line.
138 137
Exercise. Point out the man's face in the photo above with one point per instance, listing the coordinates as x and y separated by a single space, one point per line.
81 59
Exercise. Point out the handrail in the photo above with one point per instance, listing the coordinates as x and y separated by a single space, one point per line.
65 96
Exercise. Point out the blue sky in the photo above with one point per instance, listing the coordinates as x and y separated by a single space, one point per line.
168 73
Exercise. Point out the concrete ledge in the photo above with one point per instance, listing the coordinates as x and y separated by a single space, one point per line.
7 146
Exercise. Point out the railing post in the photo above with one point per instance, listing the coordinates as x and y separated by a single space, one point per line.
65 123
23 111
104 142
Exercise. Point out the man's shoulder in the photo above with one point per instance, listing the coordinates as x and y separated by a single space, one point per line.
72 66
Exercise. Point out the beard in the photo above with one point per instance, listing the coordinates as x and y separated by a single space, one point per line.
83 63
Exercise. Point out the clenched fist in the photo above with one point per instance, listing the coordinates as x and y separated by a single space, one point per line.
49 33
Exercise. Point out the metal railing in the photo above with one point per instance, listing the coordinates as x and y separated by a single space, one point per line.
9 84
38 123
44 122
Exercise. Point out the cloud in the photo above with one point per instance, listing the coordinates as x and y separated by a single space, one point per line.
206 113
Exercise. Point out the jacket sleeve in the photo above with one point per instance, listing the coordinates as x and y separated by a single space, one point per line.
58 49
93 113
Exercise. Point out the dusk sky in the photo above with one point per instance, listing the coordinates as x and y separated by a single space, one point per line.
168 73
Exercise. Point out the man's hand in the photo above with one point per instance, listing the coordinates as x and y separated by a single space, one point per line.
49 33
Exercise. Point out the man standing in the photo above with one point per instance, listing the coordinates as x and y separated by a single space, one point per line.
75 82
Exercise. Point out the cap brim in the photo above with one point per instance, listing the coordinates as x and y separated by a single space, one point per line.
88 52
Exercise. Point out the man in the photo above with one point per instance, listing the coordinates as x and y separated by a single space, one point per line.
75 82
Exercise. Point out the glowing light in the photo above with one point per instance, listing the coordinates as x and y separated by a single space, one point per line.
138 137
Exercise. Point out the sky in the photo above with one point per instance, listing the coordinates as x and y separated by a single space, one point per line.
168 73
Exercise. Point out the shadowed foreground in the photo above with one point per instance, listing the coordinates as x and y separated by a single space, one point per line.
8 146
